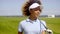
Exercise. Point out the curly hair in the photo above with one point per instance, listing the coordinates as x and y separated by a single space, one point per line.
25 7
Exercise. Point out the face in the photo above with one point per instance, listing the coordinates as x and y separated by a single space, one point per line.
35 13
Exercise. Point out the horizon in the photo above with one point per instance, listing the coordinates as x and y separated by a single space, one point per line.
13 7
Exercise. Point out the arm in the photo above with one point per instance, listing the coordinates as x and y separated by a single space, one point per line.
43 32
20 28
43 24
19 32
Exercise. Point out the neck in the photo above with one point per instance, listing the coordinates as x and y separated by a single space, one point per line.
32 18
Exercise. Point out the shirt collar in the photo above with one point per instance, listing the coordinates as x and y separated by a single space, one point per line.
28 20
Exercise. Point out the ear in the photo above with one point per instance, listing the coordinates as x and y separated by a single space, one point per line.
30 11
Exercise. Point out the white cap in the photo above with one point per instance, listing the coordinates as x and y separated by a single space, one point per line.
34 5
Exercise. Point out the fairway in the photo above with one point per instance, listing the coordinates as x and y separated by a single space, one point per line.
9 25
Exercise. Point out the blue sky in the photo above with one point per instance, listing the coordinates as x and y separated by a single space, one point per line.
13 7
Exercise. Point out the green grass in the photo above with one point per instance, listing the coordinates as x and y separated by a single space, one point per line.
9 25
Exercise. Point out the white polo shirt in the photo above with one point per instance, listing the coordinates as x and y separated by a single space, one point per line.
31 27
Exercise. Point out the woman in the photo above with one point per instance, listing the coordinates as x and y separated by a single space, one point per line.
32 25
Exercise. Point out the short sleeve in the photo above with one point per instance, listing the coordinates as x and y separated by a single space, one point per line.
20 28
43 24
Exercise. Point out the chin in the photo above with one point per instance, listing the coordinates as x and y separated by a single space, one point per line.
36 17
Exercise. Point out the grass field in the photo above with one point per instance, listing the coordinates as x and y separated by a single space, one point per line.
9 25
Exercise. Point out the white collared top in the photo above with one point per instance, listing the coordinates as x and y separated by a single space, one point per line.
31 27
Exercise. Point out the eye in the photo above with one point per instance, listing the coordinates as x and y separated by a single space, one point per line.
40 10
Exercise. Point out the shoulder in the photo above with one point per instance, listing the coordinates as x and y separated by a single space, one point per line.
22 22
44 22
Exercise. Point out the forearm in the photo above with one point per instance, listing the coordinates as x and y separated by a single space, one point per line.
19 32
43 32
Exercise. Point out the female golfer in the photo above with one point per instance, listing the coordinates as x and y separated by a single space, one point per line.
32 25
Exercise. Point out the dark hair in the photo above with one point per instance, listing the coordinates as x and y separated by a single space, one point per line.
25 7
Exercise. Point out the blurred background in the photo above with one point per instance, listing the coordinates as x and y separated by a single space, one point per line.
13 7
11 15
